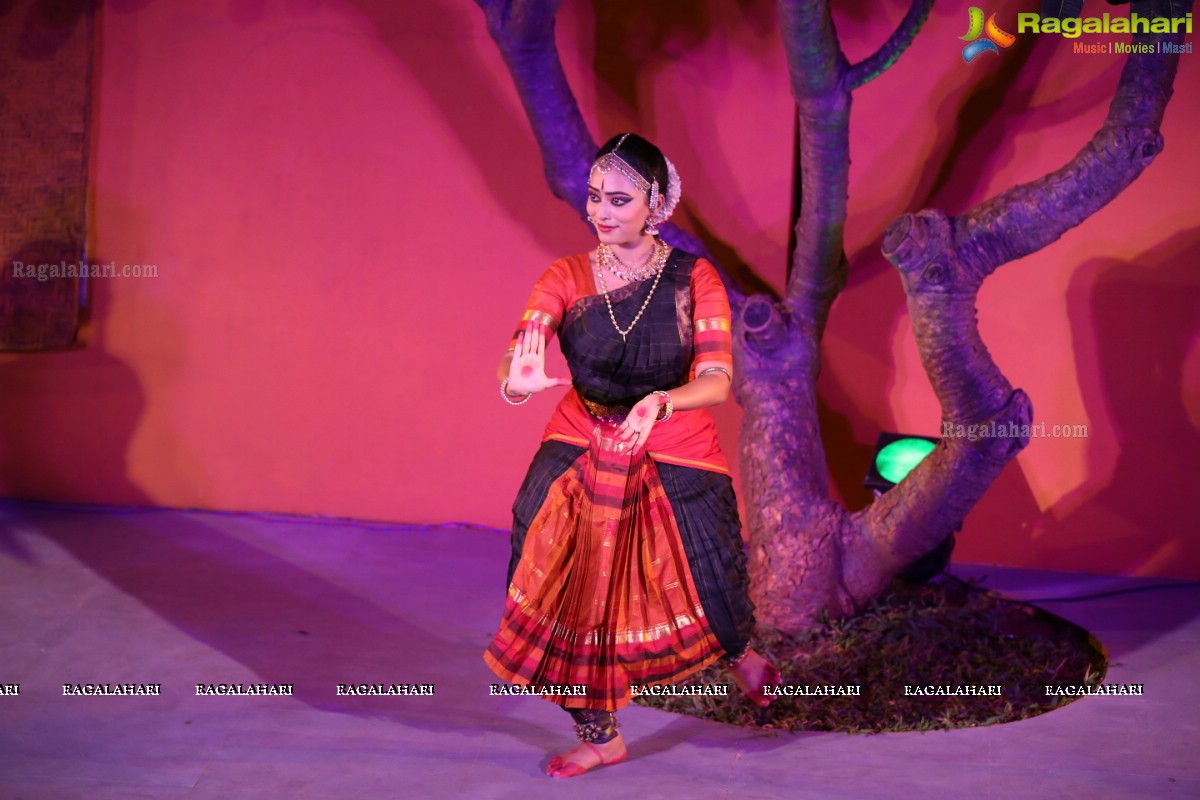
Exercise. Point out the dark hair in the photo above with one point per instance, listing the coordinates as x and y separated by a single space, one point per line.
640 154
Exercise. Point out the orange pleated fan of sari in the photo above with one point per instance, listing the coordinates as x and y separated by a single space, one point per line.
603 596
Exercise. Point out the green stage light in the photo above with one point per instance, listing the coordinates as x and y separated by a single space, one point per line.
899 458
896 454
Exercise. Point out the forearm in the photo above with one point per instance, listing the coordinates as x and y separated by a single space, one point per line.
704 391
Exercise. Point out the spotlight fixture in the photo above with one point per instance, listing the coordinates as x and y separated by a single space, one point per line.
896 455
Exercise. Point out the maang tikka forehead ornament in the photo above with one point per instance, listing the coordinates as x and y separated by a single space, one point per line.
611 160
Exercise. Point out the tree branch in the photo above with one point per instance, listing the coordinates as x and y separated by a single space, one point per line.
793 525
778 345
941 292
815 61
817 66
914 517
524 32
874 65
943 262
1026 218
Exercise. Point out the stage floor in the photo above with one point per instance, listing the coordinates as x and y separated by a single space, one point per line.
185 599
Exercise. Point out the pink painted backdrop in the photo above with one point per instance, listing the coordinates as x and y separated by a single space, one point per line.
345 208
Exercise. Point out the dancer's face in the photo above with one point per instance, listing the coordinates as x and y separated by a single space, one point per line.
617 208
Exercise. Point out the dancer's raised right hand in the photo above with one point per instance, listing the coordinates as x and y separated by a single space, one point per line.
527 370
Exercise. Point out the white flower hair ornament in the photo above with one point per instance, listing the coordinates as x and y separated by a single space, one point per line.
663 206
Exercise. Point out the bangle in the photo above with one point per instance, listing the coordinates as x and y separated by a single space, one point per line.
666 401
509 400
716 369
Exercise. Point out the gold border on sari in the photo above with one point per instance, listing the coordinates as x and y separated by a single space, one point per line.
616 637
712 324
541 317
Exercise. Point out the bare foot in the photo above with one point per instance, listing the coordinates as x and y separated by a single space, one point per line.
586 757
751 674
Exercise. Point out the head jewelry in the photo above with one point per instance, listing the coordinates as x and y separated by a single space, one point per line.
613 161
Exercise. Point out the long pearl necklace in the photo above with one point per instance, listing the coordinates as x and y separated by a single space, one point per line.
608 300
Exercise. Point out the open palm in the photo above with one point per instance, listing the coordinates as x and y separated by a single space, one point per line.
527 370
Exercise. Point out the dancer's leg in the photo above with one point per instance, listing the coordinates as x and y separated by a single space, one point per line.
752 672
601 744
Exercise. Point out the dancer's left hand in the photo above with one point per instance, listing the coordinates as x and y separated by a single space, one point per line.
635 430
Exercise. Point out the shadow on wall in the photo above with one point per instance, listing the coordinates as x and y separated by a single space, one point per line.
91 408
1135 323
633 44
1136 327
282 622
630 51
455 80
987 119
94 402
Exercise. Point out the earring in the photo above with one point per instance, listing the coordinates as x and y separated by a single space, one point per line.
651 228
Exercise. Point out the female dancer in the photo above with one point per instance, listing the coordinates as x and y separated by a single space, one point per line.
628 567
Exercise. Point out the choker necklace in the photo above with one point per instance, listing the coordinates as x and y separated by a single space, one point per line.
656 259
608 302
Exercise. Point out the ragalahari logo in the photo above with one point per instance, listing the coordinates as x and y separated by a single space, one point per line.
992 33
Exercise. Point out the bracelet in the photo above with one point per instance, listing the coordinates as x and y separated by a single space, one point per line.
666 402
716 369
509 400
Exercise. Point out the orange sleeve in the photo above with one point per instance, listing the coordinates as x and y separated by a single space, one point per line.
548 301
710 317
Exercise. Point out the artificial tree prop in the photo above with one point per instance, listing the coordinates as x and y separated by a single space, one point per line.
810 556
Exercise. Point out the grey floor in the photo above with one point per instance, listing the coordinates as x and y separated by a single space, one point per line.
102 596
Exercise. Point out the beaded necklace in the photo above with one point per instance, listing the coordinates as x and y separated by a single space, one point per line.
608 301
